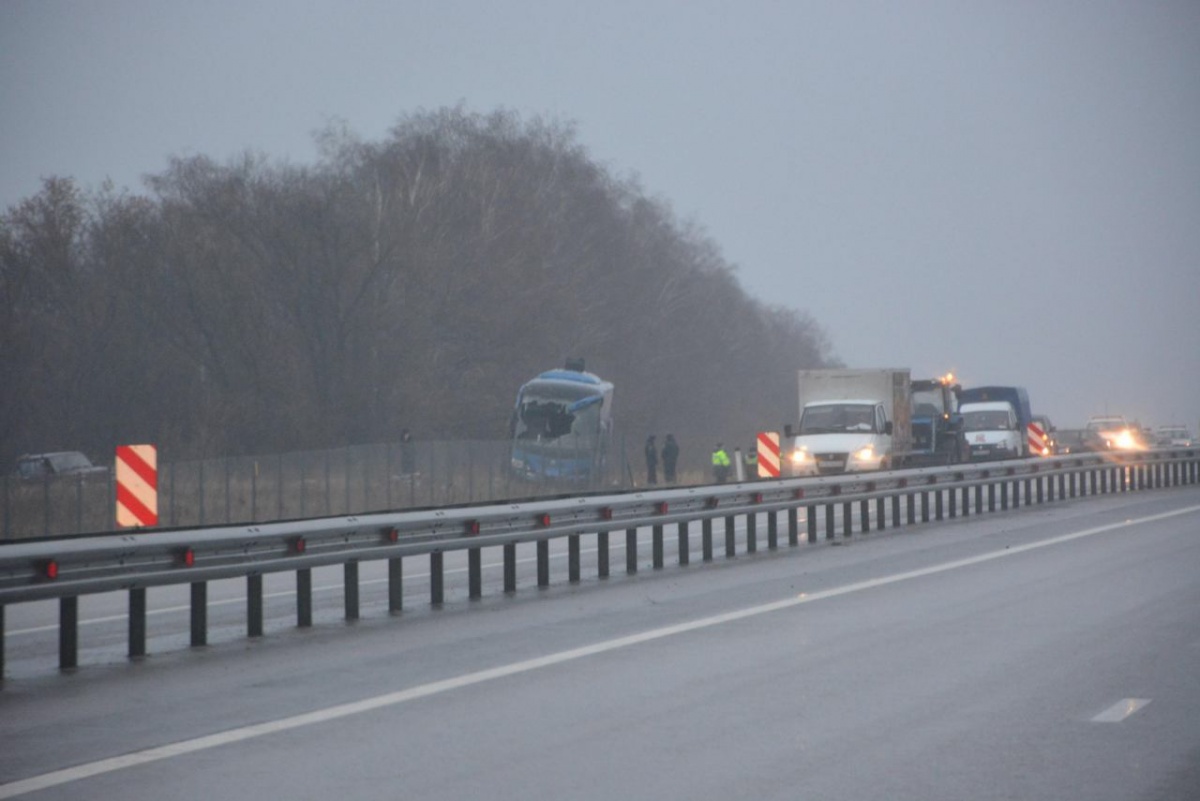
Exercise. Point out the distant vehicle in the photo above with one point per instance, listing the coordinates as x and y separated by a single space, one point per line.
1112 433
991 431
1174 436
561 427
851 421
936 423
40 466
1009 440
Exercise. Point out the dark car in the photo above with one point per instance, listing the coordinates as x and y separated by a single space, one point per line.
39 466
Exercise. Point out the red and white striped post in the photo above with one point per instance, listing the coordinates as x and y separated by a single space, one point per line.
1036 439
768 454
137 486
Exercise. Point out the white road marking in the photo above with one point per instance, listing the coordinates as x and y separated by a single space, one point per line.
240 734
1121 710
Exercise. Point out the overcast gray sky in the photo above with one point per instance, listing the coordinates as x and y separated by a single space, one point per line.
1007 189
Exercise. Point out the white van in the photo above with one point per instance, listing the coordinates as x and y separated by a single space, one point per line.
991 431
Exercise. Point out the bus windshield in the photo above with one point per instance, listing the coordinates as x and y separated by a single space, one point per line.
559 417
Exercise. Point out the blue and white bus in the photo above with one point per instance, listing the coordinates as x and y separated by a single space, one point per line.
561 427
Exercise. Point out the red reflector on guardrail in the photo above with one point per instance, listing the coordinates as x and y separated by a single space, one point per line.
393 534
662 507
472 527
298 545
50 569
544 520
606 513
799 493
189 557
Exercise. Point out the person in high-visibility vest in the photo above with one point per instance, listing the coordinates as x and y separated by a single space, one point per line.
720 462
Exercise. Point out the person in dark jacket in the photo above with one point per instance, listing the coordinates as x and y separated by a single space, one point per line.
651 461
670 456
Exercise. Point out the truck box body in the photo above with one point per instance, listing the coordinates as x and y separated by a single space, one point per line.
856 420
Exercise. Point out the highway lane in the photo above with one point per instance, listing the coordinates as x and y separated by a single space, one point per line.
1050 653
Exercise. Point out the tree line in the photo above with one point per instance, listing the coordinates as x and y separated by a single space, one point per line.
413 282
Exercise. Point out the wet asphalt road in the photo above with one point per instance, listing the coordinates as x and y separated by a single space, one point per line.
1051 653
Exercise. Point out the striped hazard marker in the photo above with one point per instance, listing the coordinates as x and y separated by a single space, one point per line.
137 485
1036 438
768 454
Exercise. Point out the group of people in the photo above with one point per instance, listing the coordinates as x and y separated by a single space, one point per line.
670 458
721 463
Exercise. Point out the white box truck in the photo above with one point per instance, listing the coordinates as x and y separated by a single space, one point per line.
851 421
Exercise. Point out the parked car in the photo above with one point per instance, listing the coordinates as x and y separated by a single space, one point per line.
40 466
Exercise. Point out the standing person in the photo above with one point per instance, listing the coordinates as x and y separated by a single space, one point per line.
651 461
720 462
670 456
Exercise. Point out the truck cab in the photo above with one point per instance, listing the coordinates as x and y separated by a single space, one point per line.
991 431
842 436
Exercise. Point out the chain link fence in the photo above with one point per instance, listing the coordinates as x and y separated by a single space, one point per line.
303 484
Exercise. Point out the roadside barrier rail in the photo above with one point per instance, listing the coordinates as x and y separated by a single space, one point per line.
66 569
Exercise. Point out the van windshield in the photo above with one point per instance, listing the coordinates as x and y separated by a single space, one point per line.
987 421
838 418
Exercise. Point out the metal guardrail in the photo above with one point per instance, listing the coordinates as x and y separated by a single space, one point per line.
68 568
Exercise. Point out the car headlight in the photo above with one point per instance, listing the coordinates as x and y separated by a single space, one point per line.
1124 440
800 456
866 454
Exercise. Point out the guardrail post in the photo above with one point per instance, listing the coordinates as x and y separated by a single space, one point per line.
602 554
254 605
937 504
829 522
751 532
199 613
631 554
543 563
924 506
304 616
810 519
350 588
897 519
684 556
395 581
474 573
1004 495
573 558
793 519
2 632
510 567
68 632
657 546
880 513
1062 486
978 499
772 531
730 542
847 519
952 500
864 514
437 578
910 504
706 539
991 489
137 622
